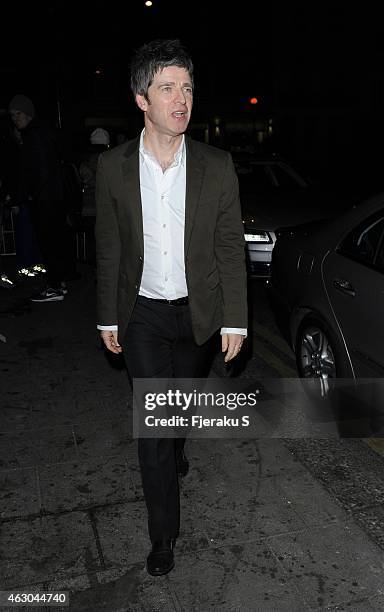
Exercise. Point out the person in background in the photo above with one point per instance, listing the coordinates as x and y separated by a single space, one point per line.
28 255
99 142
170 259
5 281
40 184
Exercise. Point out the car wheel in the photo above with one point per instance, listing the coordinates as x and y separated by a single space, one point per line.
322 362
319 356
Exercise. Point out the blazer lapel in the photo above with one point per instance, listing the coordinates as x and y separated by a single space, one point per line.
194 182
131 179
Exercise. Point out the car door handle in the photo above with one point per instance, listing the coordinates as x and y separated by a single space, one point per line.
344 286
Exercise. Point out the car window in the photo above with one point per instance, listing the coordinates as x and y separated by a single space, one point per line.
362 243
254 177
258 177
286 179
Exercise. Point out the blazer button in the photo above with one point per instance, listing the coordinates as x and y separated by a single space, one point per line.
140 258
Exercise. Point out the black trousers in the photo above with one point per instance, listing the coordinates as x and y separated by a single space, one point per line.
159 343
49 217
28 252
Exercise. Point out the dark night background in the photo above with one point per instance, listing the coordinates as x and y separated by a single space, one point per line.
316 69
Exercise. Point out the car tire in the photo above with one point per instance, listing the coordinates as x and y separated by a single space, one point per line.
318 353
320 363
340 400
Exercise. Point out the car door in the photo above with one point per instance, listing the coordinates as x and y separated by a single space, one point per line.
353 275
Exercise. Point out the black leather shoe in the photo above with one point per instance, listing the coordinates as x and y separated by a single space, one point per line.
160 559
182 464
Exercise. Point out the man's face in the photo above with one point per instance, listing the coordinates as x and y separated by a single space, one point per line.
20 119
170 98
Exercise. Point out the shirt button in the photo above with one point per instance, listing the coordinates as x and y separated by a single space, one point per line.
166 278
164 225
165 252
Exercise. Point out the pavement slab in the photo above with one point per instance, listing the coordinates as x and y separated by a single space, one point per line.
37 447
104 437
361 605
46 548
15 415
130 590
377 602
309 499
331 564
274 458
20 493
64 410
235 577
247 512
122 533
372 521
80 485
348 467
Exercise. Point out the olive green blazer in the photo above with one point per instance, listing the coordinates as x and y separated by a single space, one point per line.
213 238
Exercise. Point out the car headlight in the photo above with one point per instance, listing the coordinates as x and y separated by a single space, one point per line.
258 237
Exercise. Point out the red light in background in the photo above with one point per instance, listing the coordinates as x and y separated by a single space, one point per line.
253 100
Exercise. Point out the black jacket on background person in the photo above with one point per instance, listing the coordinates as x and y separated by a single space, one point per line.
39 172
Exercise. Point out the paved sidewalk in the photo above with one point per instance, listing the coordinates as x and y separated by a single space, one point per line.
260 531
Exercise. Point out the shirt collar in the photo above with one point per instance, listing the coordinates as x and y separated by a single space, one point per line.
179 158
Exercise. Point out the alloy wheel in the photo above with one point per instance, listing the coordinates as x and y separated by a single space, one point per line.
316 357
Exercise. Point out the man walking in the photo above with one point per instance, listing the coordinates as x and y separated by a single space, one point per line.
170 251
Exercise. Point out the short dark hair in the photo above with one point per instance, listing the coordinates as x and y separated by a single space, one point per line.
154 56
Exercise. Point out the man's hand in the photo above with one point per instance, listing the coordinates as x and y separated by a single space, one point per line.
110 340
231 345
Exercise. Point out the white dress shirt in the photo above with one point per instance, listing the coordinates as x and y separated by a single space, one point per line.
163 206
163 203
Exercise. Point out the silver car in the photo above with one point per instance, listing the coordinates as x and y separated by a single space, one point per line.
329 280
272 194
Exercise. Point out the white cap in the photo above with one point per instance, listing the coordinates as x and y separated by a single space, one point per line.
100 136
